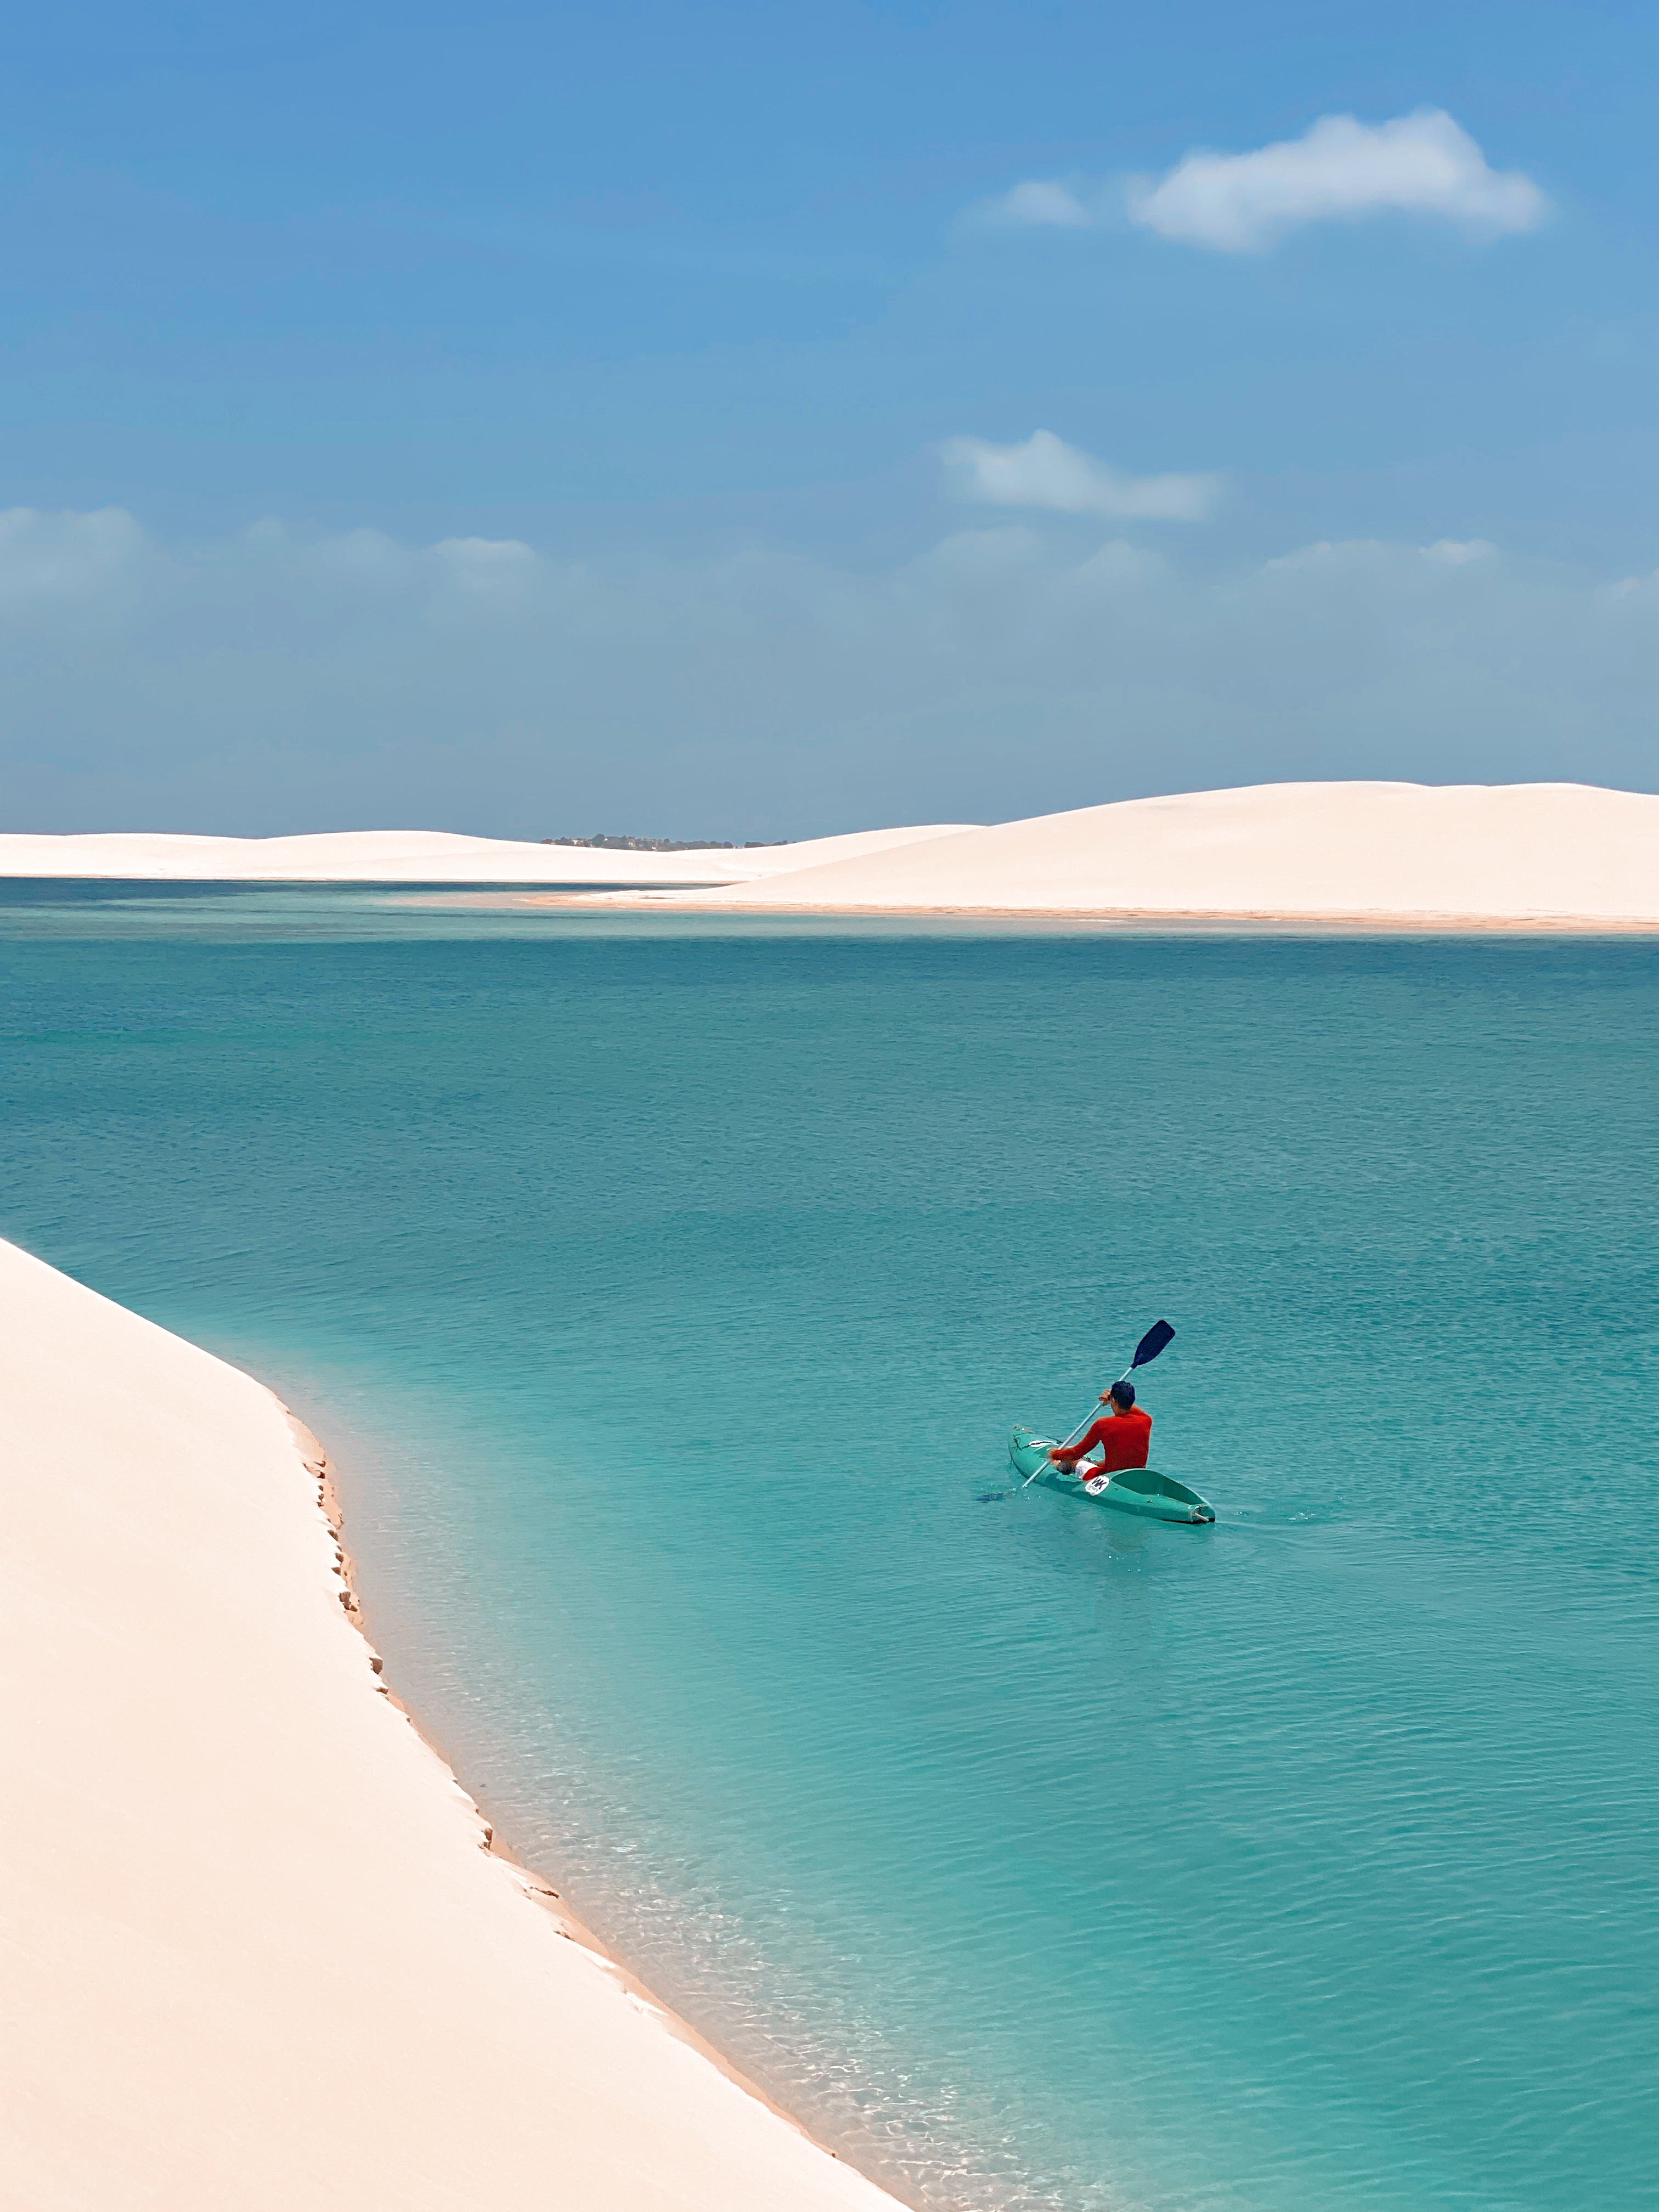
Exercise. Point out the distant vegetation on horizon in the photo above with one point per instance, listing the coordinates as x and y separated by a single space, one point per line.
669 844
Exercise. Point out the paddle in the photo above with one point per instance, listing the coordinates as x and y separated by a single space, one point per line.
1157 1337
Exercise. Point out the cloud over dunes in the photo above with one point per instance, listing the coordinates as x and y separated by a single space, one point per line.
1046 472
1340 170
261 684
54 558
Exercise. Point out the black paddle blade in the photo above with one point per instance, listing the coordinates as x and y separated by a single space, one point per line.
1152 1343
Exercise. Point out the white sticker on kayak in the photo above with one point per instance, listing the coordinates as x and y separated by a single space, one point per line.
1096 1484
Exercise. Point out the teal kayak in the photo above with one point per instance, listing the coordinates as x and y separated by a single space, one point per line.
1132 1490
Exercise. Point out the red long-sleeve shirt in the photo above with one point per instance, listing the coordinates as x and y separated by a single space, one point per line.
1124 1439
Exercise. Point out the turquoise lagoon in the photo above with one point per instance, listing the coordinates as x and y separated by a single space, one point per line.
667 1289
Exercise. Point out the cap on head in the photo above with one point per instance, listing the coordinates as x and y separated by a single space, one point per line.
1123 1393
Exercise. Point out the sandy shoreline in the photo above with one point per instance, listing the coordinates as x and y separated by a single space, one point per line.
261 1949
1141 920
314 1455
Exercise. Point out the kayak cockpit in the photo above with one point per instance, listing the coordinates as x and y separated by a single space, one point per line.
1146 1482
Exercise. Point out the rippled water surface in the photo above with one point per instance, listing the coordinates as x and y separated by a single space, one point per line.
668 1290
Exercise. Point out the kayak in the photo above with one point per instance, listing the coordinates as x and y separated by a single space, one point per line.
1132 1490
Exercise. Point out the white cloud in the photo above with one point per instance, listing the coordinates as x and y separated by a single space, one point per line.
1046 472
47 557
486 556
982 553
1340 170
1454 552
1041 201
497 569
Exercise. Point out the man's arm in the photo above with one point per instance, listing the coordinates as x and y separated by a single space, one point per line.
1097 1435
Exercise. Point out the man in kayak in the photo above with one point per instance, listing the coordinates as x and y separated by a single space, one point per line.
1123 1433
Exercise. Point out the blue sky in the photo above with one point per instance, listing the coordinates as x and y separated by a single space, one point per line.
562 419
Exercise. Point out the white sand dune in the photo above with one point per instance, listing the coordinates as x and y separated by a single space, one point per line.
255 1954
1503 853
405 856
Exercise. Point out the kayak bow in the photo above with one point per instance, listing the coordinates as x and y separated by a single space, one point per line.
1132 1490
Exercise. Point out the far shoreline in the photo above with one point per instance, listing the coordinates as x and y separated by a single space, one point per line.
1129 920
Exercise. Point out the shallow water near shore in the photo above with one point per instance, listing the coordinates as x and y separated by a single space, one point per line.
668 1288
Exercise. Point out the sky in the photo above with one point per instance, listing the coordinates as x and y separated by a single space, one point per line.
760 422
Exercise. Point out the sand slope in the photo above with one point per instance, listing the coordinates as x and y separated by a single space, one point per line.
254 1955
1506 852
414 856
